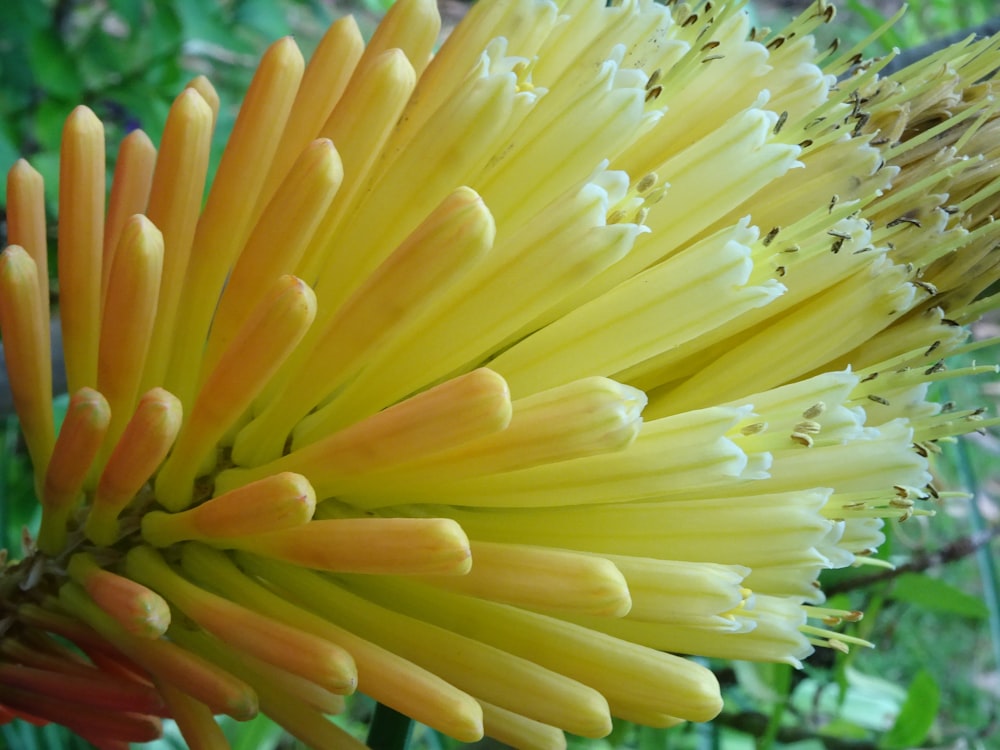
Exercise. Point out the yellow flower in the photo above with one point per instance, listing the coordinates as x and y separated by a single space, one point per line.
491 382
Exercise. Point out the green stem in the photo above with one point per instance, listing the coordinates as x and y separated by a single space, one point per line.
390 730
782 683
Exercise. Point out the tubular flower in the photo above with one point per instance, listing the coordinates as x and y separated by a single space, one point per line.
491 383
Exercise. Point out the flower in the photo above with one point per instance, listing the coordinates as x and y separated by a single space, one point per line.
490 383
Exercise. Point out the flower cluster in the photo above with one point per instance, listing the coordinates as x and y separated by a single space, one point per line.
492 382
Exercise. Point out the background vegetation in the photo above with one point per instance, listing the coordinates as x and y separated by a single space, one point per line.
933 682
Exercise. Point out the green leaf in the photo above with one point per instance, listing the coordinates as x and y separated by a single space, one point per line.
49 120
935 595
263 16
916 716
54 66
131 12
8 155
206 22
163 32
260 733
844 730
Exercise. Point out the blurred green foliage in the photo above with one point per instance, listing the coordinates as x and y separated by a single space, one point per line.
924 20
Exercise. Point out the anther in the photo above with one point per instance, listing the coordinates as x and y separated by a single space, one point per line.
802 439
753 429
814 411
782 119
903 220
808 427
646 183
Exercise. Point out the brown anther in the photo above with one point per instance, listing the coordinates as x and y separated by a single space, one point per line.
863 119
814 411
710 45
833 202
776 42
654 78
901 502
782 119
769 237
947 406
653 93
808 427
753 429
926 286
791 249
646 183
869 377
866 249
932 491
802 439
878 399
855 104
903 220
837 245
806 143
832 621
712 57
780 270
855 506
693 18
656 195
920 450
932 347
938 366
907 515
616 217
950 322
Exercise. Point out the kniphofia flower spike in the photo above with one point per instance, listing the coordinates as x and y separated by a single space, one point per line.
491 382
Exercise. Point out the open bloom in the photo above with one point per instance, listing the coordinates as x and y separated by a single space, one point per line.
490 383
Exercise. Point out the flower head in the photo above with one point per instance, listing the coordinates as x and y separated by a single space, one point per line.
489 383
